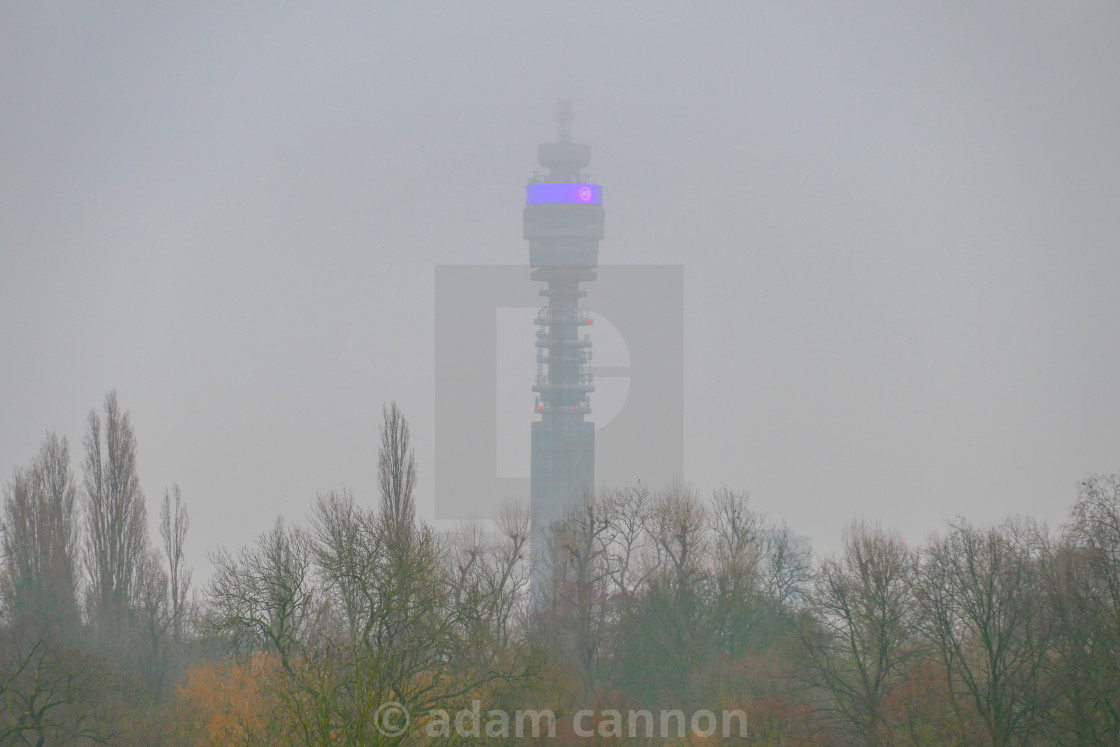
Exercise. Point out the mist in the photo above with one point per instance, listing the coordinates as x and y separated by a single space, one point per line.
896 224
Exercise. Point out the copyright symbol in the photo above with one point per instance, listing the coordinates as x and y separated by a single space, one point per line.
391 719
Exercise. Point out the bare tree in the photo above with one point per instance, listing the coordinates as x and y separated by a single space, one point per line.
668 631
173 526
861 636
1083 584
425 621
982 606
396 468
679 530
491 575
348 555
23 562
627 511
574 587
512 563
738 547
788 569
265 597
116 516
152 622
40 535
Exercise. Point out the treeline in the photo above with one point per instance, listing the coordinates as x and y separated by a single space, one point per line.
636 599
96 616
1004 635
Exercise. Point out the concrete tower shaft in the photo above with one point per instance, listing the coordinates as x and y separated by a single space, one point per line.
564 221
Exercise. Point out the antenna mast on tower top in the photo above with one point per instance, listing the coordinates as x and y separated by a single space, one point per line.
564 118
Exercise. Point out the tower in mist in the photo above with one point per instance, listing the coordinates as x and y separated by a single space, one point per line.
564 221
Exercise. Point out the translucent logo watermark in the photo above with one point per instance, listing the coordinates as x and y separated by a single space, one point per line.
486 361
393 720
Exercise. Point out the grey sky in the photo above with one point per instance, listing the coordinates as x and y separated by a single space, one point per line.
898 225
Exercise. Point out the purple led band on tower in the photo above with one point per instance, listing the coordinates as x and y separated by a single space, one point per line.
585 194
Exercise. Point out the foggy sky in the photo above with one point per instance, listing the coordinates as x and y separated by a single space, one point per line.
898 225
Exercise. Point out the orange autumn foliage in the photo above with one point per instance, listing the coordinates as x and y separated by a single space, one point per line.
229 704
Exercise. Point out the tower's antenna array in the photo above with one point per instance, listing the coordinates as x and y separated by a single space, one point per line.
565 115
